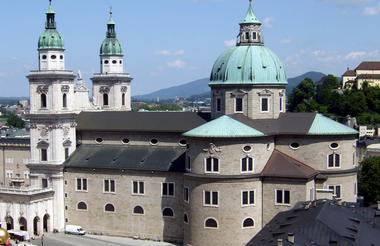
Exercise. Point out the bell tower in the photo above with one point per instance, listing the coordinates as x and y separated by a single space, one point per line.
112 87
52 117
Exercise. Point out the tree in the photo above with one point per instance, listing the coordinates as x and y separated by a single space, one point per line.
304 91
325 90
369 180
15 121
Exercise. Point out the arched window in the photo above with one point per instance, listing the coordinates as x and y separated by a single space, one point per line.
109 208
123 99
43 100
82 206
168 212
138 210
105 99
64 100
248 222
247 164
211 223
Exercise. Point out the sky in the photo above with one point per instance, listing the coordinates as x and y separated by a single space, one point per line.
172 42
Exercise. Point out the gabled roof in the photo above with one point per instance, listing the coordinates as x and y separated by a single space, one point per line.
350 73
369 65
326 126
224 127
149 158
281 165
177 122
320 224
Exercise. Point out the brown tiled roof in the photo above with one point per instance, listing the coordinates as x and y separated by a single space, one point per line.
350 73
281 165
369 76
369 65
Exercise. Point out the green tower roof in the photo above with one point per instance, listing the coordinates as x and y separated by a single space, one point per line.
326 126
50 37
111 45
248 65
223 127
250 17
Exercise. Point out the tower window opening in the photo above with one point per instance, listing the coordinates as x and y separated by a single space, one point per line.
123 99
121 62
106 62
44 57
114 62
43 154
64 100
254 36
238 105
53 57
43 100
247 36
105 99
61 57
218 105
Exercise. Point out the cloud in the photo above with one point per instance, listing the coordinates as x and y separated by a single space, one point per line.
355 55
286 41
3 75
371 11
170 53
177 64
230 43
346 3
268 22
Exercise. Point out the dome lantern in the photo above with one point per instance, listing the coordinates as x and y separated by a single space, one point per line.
250 29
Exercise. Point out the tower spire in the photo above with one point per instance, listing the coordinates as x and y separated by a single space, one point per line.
250 29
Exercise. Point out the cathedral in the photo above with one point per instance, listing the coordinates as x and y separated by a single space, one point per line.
185 177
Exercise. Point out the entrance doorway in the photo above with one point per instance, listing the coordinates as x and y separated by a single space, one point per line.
46 222
23 224
36 222
9 221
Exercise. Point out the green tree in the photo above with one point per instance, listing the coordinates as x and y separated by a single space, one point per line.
369 180
304 91
15 121
325 90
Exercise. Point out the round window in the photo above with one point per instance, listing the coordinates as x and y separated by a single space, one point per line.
294 145
153 141
334 145
114 62
120 61
247 148
106 62
125 140
61 57
99 140
44 57
182 142
53 57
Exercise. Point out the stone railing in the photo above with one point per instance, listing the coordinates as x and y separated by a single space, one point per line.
24 190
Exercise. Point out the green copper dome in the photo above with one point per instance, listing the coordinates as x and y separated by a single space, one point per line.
50 38
111 45
252 64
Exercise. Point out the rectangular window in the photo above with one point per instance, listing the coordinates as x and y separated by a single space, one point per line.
26 174
45 183
247 36
337 190
333 160
281 104
186 194
9 173
9 160
238 105
138 188
212 165
66 153
211 198
109 185
43 154
218 105
81 184
282 197
25 161
254 35
247 164
248 198
168 189
264 104
188 163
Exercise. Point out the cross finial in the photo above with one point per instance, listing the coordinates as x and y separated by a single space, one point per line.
111 10
49 2
250 1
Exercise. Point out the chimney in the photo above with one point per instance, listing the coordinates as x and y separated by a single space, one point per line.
279 242
291 237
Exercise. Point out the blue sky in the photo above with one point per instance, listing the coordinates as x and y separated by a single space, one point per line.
170 42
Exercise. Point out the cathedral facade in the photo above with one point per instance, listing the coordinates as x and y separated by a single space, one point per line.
187 177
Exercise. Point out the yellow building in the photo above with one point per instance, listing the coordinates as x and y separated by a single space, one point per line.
368 71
